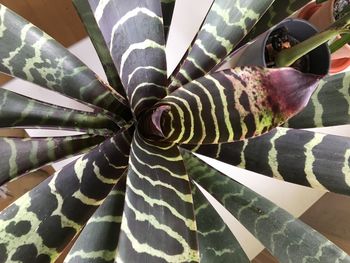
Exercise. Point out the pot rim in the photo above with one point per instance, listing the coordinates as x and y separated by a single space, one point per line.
288 20
338 64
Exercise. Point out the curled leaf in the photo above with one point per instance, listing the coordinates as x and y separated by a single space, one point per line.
231 105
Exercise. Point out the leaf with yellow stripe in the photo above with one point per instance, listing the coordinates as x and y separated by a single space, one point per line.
226 23
231 105
302 157
20 156
87 16
168 7
133 31
30 54
19 111
328 106
158 223
98 241
215 240
286 237
41 223
279 10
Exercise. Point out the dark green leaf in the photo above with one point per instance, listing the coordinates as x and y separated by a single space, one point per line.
167 11
39 225
158 223
312 159
286 237
87 17
227 22
29 53
231 105
19 111
133 31
279 10
98 241
328 106
20 156
215 240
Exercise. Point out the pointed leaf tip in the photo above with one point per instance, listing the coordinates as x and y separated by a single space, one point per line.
233 104
290 90
328 106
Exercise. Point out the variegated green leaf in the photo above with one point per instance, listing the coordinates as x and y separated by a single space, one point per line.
168 7
328 106
312 159
215 240
227 22
38 226
133 31
158 223
279 10
286 237
98 241
87 16
19 111
20 156
29 53
231 105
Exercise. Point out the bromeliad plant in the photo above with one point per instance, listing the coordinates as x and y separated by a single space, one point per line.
136 187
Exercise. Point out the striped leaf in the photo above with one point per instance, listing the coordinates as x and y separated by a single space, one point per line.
286 237
215 240
87 16
98 241
20 156
329 105
133 31
231 105
19 111
37 226
227 22
29 53
167 12
158 222
302 157
278 11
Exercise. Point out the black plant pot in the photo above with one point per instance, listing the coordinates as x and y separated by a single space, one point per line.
253 53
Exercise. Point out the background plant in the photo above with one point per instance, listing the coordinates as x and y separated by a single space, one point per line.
146 206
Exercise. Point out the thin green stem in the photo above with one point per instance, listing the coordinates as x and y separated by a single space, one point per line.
339 43
287 57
